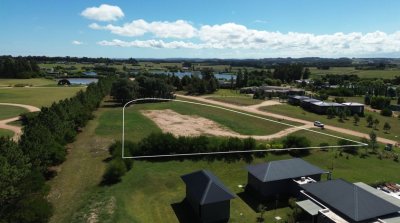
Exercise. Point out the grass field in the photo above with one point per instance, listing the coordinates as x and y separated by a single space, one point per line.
31 82
298 112
10 111
40 96
111 121
386 74
6 133
242 101
151 191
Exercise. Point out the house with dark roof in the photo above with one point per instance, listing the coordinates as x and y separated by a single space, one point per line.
208 197
296 99
281 177
321 107
339 201
354 107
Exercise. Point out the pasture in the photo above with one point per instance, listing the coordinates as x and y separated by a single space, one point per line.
386 74
37 96
6 133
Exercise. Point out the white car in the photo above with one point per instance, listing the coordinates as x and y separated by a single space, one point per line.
318 124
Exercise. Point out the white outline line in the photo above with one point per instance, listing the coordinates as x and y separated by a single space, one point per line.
359 144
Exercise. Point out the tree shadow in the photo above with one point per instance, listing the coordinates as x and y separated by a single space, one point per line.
184 212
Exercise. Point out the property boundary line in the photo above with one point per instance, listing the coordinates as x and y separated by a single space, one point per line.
358 144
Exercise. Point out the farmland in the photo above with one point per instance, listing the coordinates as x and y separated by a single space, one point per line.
386 74
36 82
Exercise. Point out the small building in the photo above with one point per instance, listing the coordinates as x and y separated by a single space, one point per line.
296 99
207 196
282 177
338 201
354 107
321 107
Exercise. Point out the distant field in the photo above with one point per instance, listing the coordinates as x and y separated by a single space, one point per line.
31 82
40 96
298 112
242 101
6 133
388 74
10 111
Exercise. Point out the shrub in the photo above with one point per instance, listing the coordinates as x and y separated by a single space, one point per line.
386 112
297 142
115 170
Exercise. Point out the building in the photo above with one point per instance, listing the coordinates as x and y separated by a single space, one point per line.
321 107
207 196
281 177
338 201
296 99
354 107
273 90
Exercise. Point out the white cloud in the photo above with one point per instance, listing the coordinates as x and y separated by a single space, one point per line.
162 29
103 13
76 42
239 37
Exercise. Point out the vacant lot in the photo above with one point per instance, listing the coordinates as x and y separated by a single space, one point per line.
298 112
387 74
111 121
37 96
31 82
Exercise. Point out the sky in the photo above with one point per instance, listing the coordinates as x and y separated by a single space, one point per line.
200 28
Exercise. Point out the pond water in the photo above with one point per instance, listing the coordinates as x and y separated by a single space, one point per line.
81 81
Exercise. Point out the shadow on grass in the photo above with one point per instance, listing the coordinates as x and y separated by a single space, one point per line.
254 200
184 212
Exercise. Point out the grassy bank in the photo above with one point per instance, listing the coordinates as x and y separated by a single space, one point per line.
7 111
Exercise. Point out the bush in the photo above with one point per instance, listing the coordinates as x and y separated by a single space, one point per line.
115 170
380 102
386 112
297 142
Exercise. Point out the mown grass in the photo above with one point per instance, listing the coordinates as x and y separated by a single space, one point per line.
242 101
41 96
6 133
386 74
298 112
111 122
7 111
29 82
150 190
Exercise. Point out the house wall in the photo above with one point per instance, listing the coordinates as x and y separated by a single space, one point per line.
215 212
356 109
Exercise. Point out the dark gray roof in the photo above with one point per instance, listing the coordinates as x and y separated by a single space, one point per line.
350 200
206 188
283 169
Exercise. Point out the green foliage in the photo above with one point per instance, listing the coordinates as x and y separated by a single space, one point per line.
18 67
356 119
380 102
124 90
387 112
387 127
293 141
115 170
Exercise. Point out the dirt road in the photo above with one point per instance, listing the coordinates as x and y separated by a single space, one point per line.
254 109
16 129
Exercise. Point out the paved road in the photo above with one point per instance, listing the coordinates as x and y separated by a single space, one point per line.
16 129
254 109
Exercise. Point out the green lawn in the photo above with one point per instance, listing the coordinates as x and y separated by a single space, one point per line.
387 74
5 133
41 96
7 111
298 112
111 121
242 101
31 82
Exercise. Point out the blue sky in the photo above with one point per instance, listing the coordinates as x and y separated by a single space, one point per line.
205 29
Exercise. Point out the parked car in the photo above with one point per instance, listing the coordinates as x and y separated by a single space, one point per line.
319 124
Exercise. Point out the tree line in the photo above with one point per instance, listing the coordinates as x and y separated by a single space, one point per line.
24 167
18 67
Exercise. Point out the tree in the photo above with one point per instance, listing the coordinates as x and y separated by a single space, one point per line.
115 170
376 123
386 112
292 141
367 99
125 90
356 119
373 141
387 127
331 112
370 121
